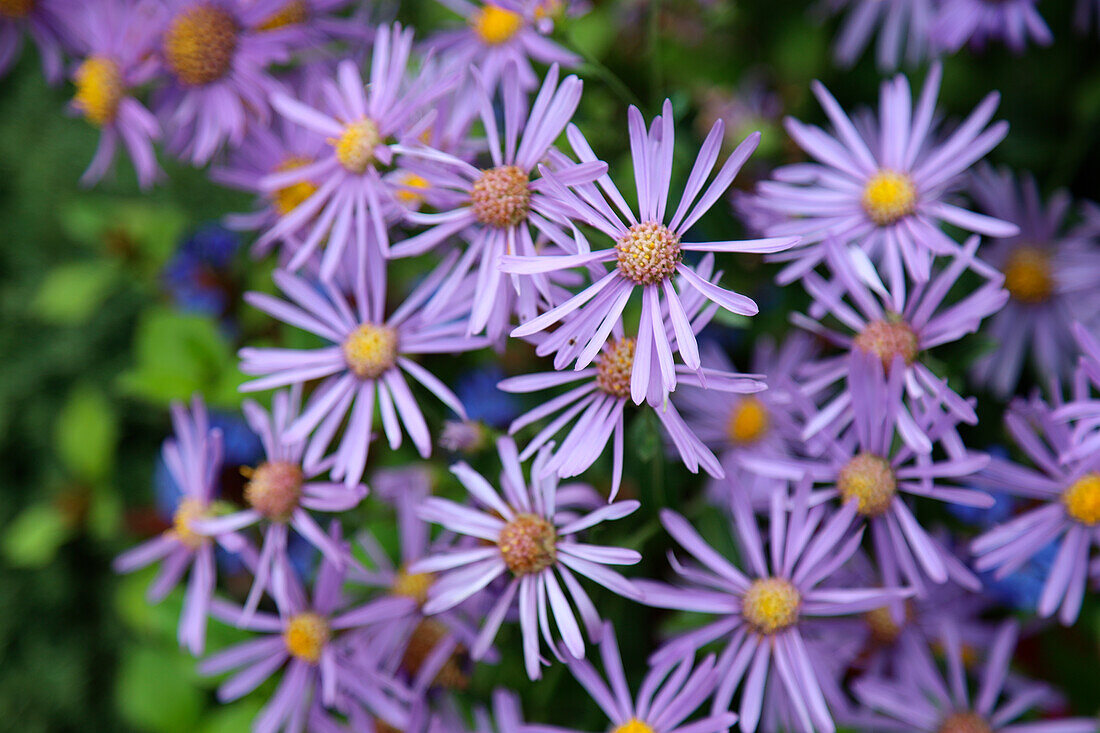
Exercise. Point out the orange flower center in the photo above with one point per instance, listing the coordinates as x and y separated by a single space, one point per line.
306 635
274 489
99 89
887 339
501 197
370 350
199 44
614 366
1027 275
528 544
771 605
648 253
870 481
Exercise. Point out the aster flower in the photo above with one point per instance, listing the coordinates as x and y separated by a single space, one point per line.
194 460
869 471
1067 505
902 25
306 641
596 406
977 22
764 613
360 125
923 699
367 358
499 34
884 189
115 40
896 337
668 695
1084 409
495 209
529 537
217 63
646 253
47 22
315 21
1050 274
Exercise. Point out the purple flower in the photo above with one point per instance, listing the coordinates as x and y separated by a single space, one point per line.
668 694
1050 276
976 22
47 21
194 460
596 406
900 24
1067 495
115 40
353 204
312 22
367 358
885 188
763 614
1084 408
495 209
646 253
529 536
923 699
497 35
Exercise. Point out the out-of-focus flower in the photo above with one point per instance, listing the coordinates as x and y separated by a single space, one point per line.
47 22
977 22
753 105
900 24
197 277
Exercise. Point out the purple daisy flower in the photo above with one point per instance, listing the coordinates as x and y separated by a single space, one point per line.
925 700
194 461
367 357
764 613
115 40
1067 511
895 334
596 406
216 62
1084 408
646 254
281 493
499 34
529 536
868 471
1050 275
900 24
48 22
977 22
668 694
883 189
494 209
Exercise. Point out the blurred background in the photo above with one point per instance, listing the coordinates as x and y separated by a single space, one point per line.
115 303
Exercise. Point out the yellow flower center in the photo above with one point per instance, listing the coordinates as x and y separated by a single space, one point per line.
648 253
188 511
274 488
294 12
306 635
199 44
16 8
748 422
884 629
413 585
501 197
634 726
426 637
355 147
869 480
370 350
495 25
288 198
1027 275
889 196
528 544
1082 499
964 722
887 339
411 188
613 368
771 605
550 9
99 89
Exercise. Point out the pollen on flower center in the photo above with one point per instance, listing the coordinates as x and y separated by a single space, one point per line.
887 339
306 635
614 366
889 196
188 511
1027 275
748 422
295 12
370 350
289 197
16 8
634 726
424 639
648 253
528 544
274 489
869 480
1082 499
495 25
99 89
964 722
771 604
355 147
412 585
199 44
501 197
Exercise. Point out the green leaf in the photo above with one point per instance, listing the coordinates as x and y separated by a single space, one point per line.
154 692
86 433
72 293
34 536
133 229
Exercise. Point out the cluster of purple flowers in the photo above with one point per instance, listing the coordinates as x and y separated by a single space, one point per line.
823 459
